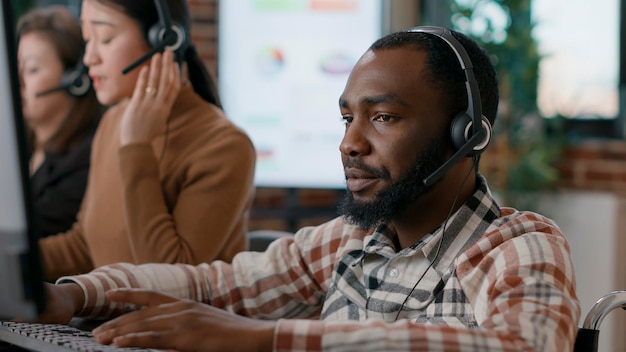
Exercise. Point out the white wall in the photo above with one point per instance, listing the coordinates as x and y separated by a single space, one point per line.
590 222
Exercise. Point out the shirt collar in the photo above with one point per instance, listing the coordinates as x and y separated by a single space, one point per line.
462 229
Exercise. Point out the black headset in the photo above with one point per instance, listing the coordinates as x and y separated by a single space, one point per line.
75 80
470 130
165 34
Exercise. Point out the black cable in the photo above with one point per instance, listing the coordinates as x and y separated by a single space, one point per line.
443 233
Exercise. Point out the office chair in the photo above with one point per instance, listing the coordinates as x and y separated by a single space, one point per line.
258 240
587 338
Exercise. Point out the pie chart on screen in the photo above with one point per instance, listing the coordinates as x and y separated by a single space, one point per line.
269 61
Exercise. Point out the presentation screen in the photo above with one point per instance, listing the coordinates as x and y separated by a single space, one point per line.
282 65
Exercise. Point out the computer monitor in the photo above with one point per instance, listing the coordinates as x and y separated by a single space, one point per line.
21 285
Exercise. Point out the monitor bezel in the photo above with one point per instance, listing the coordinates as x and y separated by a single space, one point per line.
31 271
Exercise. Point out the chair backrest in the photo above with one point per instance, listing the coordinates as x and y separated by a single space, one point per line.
587 337
259 240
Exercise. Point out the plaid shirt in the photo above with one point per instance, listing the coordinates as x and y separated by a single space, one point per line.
503 281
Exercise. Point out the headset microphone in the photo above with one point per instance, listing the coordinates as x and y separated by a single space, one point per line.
75 81
163 35
470 131
464 151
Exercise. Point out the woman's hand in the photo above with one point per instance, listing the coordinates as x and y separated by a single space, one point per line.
62 303
149 107
166 322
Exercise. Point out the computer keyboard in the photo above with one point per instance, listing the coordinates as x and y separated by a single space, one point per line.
53 337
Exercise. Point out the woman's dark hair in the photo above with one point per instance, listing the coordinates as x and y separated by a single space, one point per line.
444 69
145 13
59 26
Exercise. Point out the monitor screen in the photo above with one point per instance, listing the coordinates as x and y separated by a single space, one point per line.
21 291
282 65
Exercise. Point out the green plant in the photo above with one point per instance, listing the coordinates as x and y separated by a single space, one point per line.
521 158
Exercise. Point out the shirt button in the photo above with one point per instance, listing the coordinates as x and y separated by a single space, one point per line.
393 273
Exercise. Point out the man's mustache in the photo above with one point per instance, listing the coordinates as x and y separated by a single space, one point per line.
358 164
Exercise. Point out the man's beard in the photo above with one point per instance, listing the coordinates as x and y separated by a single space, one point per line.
400 194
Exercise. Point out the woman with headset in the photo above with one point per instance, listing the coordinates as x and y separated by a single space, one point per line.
171 178
61 119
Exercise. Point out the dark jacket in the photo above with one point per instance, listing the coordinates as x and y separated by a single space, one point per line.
58 187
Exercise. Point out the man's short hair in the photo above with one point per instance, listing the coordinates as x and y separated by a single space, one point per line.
444 69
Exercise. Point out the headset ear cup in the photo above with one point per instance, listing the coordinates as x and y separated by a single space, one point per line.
480 147
461 132
76 81
80 85
458 126
154 34
180 45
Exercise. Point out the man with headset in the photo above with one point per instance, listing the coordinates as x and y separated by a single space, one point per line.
423 257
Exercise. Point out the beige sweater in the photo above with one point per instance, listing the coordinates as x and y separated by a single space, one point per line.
189 207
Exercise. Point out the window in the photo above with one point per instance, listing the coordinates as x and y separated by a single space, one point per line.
579 44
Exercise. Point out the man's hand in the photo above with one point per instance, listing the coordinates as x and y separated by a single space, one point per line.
166 322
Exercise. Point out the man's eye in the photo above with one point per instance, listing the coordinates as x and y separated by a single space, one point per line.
346 119
384 118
